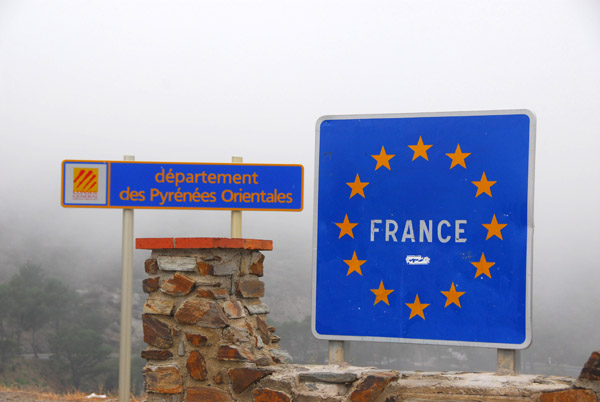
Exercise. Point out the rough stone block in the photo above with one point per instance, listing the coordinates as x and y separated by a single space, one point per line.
202 313
196 339
261 308
153 354
156 332
281 356
245 263
269 395
248 259
285 384
204 268
150 285
211 257
262 359
250 328
257 267
176 263
152 397
205 394
151 266
250 289
178 285
569 395
196 366
235 335
213 293
263 330
242 378
328 377
234 353
225 269
234 309
369 388
157 306
209 282
163 379
591 369
258 342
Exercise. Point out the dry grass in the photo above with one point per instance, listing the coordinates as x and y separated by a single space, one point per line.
32 395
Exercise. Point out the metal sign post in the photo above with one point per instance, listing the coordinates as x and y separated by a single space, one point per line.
236 215
508 361
336 352
126 301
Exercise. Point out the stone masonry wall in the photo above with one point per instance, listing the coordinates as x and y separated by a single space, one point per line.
204 322
209 340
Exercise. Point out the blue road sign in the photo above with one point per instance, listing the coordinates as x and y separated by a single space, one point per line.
423 228
118 184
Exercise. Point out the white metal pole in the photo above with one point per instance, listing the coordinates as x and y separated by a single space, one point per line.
236 216
126 291
336 352
508 361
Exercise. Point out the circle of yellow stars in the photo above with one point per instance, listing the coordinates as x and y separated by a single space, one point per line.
494 228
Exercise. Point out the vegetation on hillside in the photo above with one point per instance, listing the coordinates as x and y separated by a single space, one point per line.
61 329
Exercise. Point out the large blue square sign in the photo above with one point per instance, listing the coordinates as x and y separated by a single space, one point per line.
423 228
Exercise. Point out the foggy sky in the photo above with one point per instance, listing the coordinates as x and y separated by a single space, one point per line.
202 81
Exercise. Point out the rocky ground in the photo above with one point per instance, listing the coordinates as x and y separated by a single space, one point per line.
14 395
23 396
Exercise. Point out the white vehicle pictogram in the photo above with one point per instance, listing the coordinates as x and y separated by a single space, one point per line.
417 260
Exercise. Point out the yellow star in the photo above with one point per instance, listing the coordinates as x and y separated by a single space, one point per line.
417 308
354 264
494 228
452 296
382 294
346 227
357 187
483 266
383 159
420 149
458 157
483 186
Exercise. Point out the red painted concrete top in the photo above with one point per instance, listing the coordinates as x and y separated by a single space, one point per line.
202 242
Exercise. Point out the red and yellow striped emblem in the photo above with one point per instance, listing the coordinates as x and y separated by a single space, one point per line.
85 180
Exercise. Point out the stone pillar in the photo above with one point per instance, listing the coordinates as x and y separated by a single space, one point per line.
204 322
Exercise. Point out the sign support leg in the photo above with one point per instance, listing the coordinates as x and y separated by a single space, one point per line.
126 295
508 361
236 216
336 352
